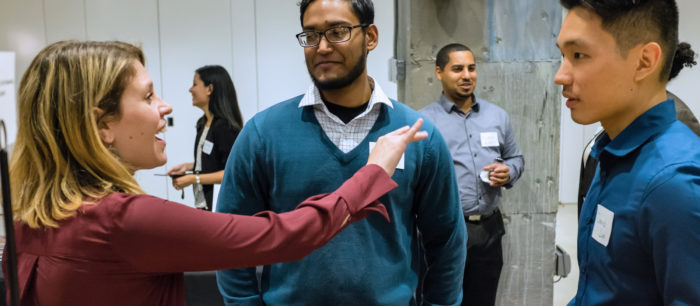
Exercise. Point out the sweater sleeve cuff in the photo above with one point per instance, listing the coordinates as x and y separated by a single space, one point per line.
361 192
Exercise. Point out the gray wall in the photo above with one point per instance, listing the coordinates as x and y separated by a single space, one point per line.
514 42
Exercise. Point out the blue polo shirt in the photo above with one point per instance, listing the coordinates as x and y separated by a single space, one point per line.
648 183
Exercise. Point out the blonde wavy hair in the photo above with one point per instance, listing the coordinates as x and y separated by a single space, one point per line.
59 161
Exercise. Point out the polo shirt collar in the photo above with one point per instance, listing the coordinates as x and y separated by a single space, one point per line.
450 106
649 124
313 97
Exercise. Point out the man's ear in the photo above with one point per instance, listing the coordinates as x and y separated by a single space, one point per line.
438 73
106 134
649 61
372 37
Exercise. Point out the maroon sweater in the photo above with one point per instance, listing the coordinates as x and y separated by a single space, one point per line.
132 249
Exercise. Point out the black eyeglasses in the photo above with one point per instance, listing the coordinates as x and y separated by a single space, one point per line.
334 35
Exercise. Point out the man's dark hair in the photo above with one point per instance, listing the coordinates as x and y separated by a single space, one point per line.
634 22
363 9
443 56
685 57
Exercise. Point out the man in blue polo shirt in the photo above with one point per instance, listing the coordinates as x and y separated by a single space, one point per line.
639 230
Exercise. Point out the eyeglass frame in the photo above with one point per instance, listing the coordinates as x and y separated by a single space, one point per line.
322 34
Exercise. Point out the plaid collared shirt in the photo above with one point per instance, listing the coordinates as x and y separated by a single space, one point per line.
346 136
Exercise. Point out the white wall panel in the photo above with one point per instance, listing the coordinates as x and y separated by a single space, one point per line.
65 19
378 60
193 34
245 63
8 110
136 22
687 84
282 72
22 31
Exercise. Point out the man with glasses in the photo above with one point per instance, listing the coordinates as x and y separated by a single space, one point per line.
310 144
639 230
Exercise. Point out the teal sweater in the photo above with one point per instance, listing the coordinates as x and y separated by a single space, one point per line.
283 156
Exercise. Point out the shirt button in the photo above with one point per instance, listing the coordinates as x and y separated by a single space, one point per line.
470 135
474 154
479 197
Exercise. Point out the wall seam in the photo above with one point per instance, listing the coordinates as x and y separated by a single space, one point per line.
257 68
162 83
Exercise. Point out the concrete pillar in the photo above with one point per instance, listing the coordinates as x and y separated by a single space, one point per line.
514 43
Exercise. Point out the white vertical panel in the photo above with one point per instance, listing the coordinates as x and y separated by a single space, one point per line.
133 21
378 60
245 70
687 84
191 36
22 31
282 71
8 109
65 19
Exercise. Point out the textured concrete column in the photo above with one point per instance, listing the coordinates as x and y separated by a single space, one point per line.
514 42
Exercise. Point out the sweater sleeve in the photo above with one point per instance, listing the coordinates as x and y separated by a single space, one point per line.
441 223
243 191
146 237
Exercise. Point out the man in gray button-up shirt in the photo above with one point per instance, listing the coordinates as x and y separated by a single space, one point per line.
486 158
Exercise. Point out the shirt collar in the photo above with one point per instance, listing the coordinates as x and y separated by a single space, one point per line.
450 106
646 126
313 96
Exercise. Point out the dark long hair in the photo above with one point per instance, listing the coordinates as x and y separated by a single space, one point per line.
223 102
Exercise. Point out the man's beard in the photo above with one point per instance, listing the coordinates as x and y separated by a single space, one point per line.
343 81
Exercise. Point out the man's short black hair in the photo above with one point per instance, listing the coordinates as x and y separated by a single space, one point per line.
443 56
634 22
363 9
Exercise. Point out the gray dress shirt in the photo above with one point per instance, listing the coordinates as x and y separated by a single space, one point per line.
464 134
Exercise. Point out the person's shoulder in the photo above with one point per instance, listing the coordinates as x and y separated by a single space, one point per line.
488 106
677 143
408 115
278 113
115 206
431 108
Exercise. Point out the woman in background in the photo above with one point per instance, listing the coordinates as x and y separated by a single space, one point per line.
213 92
85 232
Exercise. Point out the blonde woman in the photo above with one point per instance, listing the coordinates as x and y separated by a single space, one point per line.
87 235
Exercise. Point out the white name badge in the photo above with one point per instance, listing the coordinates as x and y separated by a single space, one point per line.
206 148
603 225
399 165
489 139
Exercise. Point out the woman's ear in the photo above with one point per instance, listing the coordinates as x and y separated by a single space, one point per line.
210 89
106 134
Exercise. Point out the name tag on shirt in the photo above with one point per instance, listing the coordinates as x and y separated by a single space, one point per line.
399 165
206 148
603 225
489 139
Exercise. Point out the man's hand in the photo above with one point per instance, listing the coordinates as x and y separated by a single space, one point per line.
499 174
